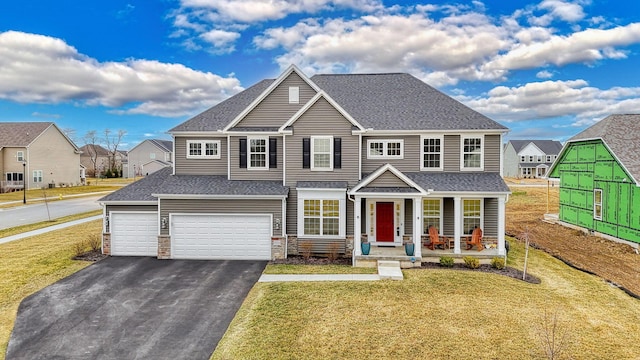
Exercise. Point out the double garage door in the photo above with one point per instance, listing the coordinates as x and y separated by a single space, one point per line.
215 237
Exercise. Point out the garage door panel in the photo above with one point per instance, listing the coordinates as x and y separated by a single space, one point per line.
240 237
134 234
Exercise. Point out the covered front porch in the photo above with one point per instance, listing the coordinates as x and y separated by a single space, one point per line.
392 209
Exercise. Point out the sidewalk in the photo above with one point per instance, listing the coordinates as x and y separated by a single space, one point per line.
54 197
48 229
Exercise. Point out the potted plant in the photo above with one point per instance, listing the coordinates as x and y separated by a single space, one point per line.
365 246
409 248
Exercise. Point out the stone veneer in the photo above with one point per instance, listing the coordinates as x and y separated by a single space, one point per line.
106 243
278 247
292 245
164 247
348 246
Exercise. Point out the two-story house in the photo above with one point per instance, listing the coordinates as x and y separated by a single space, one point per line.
96 159
330 161
148 157
529 158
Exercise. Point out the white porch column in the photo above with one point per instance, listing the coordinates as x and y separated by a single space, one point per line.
417 226
457 223
357 221
501 225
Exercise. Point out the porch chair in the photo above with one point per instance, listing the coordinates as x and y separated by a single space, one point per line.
434 239
475 239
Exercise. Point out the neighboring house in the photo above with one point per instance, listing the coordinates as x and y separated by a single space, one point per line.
39 153
148 157
96 159
529 158
325 162
599 172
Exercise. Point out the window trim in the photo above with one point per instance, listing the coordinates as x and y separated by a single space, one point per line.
422 153
385 148
20 156
323 194
481 218
294 95
596 204
440 217
462 153
313 166
266 152
203 147
40 176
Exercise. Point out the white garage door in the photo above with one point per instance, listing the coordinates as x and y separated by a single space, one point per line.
221 237
134 234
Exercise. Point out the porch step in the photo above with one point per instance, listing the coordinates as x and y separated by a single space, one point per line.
388 269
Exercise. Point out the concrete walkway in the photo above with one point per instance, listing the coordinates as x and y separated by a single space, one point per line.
318 277
48 229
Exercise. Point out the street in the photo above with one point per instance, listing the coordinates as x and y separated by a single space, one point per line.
29 214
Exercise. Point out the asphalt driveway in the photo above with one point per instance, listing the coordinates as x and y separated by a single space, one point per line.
134 308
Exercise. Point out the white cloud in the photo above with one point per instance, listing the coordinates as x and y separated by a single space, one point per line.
550 99
43 69
567 11
544 74
222 40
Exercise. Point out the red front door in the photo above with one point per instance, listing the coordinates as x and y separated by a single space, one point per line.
384 221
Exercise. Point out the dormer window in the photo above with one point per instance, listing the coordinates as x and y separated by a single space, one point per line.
294 95
385 149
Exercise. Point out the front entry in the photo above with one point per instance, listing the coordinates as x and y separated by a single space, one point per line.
384 222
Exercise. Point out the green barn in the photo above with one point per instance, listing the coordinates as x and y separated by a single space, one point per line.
599 172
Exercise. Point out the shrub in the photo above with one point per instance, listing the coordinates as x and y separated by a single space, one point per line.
471 262
95 242
334 251
446 261
80 248
497 263
305 247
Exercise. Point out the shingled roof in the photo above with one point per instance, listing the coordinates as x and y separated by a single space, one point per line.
621 133
21 134
167 145
394 101
549 147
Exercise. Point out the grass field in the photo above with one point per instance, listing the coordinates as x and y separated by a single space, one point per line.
437 314
33 263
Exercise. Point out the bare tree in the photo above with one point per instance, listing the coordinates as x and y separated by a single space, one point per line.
113 141
71 134
91 140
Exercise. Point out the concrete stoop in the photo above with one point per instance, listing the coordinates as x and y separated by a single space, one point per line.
390 269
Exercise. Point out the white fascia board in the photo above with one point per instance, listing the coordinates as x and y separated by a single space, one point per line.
381 170
468 194
216 197
398 195
268 91
253 133
141 202
311 102
336 190
373 132
197 133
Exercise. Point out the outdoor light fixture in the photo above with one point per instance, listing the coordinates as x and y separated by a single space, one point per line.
277 224
163 223
106 224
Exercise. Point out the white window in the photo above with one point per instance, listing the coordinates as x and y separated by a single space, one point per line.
37 176
471 215
14 176
597 204
257 153
385 149
321 213
548 158
523 158
322 153
294 95
530 158
472 153
539 158
202 149
20 156
431 210
152 156
431 153
167 157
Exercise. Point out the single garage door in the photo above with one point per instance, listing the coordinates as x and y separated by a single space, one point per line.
134 234
221 237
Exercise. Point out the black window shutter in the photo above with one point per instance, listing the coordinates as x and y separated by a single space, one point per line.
337 153
243 153
306 153
273 152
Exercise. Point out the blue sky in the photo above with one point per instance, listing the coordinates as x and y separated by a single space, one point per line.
546 69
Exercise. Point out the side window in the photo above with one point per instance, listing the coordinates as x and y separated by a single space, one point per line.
472 153
20 156
597 204
201 149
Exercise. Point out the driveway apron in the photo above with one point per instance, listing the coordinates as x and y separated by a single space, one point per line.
134 308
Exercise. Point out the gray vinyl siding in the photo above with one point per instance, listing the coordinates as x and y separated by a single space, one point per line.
448 225
230 206
238 173
275 109
321 119
490 217
409 163
137 208
408 217
492 152
388 179
451 153
184 166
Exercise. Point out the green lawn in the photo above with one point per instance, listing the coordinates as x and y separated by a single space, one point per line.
33 263
437 314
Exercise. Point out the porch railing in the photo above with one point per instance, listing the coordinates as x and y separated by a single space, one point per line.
6 186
